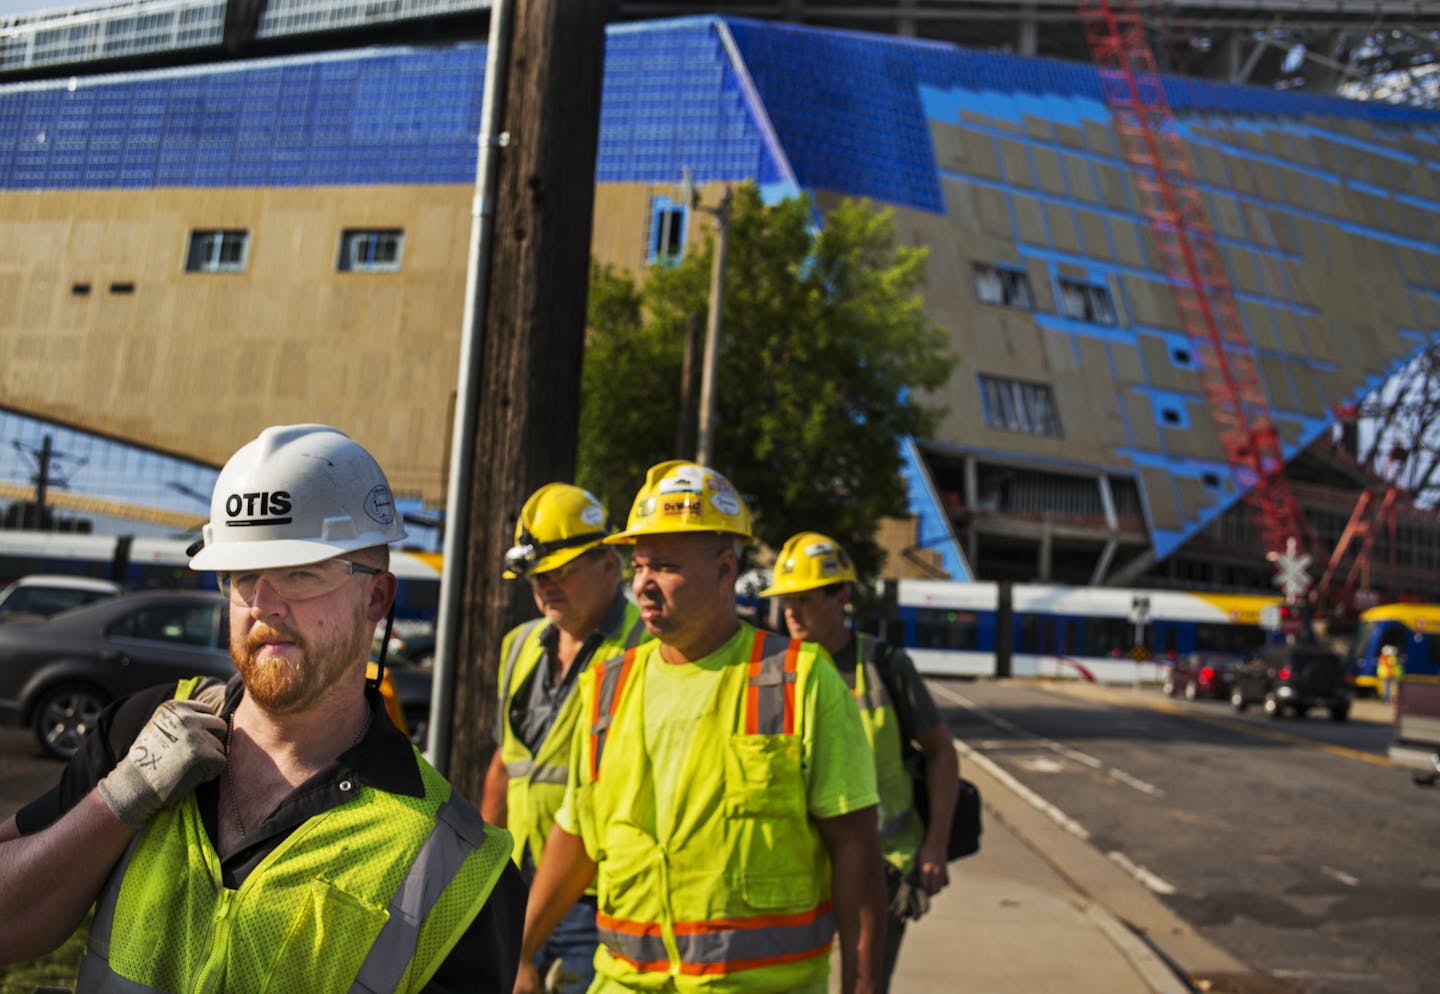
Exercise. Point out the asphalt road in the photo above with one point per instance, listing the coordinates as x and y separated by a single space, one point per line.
25 772
1290 844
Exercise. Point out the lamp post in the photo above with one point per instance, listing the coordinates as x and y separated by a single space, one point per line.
705 446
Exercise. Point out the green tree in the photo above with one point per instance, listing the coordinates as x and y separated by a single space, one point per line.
825 348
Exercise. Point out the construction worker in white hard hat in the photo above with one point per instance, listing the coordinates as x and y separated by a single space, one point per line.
721 795
584 615
813 575
278 832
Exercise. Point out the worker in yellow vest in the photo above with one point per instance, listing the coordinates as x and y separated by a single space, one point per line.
584 615
721 793
1387 668
813 574
277 833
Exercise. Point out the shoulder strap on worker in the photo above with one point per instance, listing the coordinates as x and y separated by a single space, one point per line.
610 679
770 698
507 673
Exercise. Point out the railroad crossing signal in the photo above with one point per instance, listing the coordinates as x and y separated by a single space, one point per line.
1292 570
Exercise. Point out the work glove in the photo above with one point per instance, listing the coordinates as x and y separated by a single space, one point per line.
910 901
181 747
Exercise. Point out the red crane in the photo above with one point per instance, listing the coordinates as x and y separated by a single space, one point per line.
1194 269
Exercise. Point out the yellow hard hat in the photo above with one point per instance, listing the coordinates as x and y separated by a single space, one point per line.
680 496
808 561
559 522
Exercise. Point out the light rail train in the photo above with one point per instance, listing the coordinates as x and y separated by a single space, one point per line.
1029 630
143 563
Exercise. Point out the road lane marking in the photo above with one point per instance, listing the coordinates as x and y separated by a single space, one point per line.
1020 790
1151 880
968 754
1341 876
1169 707
1074 755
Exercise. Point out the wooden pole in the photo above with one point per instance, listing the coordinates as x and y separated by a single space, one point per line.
527 426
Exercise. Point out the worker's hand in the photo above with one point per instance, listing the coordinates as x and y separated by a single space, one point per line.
182 746
931 867
527 979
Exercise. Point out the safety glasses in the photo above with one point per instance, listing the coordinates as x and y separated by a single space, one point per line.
291 583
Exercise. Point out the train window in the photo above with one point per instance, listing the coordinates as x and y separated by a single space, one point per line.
1108 636
937 628
1239 639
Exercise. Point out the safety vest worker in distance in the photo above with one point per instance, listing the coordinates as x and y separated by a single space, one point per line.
901 831
369 896
726 888
537 780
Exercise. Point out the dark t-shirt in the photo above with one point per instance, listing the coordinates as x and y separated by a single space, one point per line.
485 959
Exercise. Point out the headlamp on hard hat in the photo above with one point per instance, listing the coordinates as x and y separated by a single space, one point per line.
522 558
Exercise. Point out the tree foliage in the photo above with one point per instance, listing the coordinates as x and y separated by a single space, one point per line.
825 347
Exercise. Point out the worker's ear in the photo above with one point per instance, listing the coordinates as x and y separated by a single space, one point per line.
381 595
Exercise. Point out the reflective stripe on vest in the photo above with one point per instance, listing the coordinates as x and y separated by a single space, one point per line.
770 701
610 677
458 831
721 946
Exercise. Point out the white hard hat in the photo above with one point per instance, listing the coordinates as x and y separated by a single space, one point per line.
297 494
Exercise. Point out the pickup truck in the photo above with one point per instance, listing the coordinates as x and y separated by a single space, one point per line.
1416 743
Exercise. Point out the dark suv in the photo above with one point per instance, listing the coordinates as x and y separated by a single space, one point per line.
1294 678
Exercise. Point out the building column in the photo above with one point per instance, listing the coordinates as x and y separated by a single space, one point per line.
1028 41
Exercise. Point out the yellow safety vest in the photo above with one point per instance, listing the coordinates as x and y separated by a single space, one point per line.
734 895
901 830
537 780
369 896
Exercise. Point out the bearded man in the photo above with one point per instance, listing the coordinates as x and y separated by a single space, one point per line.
278 832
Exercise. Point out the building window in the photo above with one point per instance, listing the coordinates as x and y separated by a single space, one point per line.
1086 302
218 251
1013 405
669 222
370 250
1003 286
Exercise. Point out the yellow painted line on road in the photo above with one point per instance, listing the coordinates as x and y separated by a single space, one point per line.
1266 733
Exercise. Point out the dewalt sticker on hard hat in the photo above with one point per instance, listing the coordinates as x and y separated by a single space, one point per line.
682 504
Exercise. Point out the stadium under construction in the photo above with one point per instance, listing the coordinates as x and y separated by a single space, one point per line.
1135 402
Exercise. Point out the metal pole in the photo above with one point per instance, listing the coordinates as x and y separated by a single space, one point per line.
467 391
706 448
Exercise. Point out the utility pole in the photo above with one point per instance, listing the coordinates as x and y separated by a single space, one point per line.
705 449
529 345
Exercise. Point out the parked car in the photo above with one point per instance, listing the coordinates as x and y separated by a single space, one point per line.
1202 674
31 598
57 675
1294 678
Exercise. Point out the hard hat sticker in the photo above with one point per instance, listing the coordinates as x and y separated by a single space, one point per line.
593 515
379 505
819 549
726 503
685 504
683 482
829 566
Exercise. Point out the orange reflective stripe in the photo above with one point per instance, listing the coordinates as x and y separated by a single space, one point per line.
609 687
720 946
752 692
792 665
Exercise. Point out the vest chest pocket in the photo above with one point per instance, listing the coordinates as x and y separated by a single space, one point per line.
327 940
763 778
